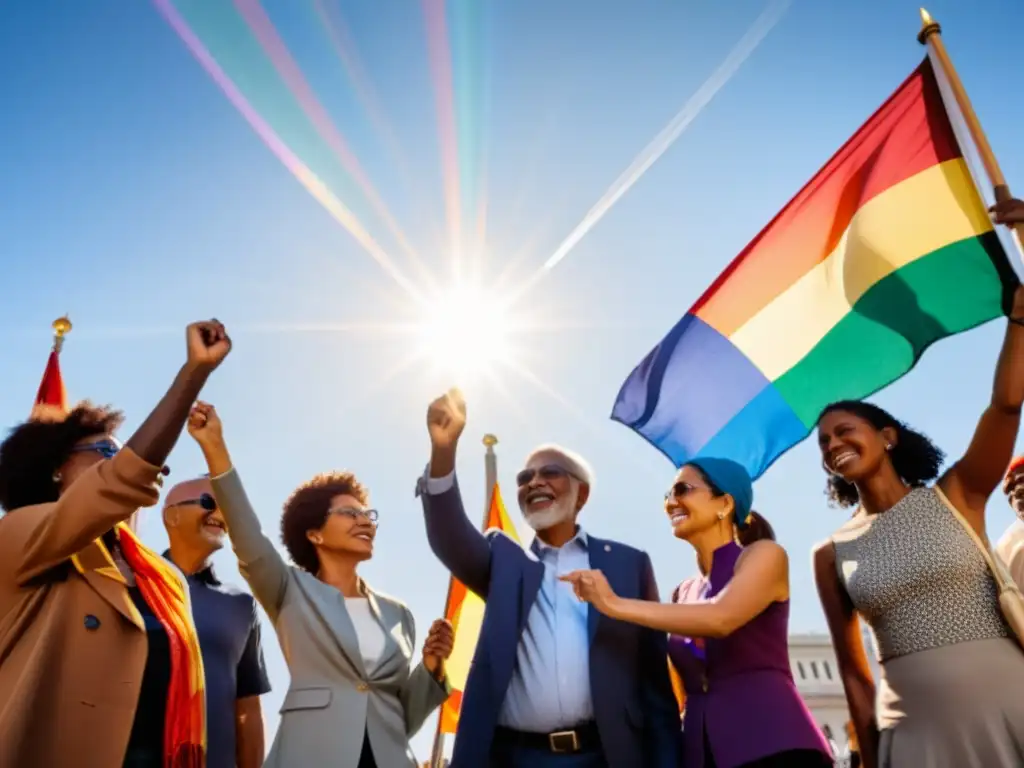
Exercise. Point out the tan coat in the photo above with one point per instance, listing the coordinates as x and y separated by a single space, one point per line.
72 645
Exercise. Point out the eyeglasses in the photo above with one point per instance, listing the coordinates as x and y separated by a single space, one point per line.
547 472
680 489
206 501
354 513
107 448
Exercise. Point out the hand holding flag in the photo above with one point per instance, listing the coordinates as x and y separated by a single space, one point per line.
438 647
1009 212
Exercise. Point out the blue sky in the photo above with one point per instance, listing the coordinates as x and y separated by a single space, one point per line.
137 199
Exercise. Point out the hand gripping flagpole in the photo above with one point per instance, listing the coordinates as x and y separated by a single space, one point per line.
930 36
490 480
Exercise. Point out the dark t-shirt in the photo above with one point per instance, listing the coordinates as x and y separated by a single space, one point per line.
229 639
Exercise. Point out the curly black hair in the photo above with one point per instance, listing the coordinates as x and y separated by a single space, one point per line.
306 510
916 459
36 449
754 528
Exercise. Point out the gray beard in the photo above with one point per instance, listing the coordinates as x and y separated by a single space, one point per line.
559 512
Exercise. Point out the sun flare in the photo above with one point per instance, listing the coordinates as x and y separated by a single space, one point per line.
464 332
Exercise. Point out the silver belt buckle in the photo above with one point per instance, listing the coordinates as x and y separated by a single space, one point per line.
563 742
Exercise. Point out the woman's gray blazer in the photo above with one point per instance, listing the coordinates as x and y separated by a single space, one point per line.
333 699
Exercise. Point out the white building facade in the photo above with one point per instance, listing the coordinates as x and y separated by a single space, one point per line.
816 673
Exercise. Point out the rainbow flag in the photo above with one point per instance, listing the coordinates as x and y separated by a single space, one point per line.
465 611
888 249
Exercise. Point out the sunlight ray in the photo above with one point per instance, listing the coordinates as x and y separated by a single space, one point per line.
344 47
266 34
670 133
439 55
305 176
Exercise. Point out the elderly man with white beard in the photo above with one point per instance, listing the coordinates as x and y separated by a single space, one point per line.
553 684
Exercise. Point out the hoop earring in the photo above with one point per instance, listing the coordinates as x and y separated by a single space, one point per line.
56 478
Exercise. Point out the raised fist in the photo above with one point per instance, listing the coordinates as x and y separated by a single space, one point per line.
208 344
204 424
446 418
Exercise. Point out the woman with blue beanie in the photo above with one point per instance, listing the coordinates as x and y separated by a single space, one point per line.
728 627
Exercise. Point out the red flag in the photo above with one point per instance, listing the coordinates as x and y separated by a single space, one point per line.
51 388
51 399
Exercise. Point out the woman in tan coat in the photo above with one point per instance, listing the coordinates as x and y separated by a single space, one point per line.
73 647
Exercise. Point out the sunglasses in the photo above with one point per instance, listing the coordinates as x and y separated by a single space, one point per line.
206 501
354 513
107 448
681 489
547 472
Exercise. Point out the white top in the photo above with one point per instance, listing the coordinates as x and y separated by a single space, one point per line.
369 632
1011 549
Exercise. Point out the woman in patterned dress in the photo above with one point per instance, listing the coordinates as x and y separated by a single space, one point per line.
951 693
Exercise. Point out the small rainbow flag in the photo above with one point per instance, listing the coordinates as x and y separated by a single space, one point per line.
888 249
465 611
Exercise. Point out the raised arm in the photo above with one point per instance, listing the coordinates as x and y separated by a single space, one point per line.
854 670
34 540
971 480
457 543
663 741
761 578
258 559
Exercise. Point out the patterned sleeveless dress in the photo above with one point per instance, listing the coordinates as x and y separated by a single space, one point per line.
952 688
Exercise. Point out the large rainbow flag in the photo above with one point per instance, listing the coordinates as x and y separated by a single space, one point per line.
888 249
465 611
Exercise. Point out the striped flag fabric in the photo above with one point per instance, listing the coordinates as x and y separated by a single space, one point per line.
888 249
465 611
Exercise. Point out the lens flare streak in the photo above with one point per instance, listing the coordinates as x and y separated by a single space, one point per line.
306 177
671 132
265 33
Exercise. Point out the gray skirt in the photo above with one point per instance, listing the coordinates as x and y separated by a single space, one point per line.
958 706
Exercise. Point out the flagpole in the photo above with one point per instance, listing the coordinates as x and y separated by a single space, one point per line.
490 480
930 36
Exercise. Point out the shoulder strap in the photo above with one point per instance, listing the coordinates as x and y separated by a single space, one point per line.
995 565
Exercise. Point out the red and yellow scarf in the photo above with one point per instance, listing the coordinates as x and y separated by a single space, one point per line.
167 596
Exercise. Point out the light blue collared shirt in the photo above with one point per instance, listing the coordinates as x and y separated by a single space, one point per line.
550 686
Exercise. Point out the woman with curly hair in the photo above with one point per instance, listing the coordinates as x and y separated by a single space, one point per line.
355 698
952 674
74 648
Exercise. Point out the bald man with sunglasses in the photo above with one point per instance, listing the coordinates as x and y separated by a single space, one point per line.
229 633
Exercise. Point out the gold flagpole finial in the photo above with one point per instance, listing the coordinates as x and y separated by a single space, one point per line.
61 327
929 27
490 440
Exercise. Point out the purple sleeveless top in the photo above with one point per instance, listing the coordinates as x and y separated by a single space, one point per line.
741 701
